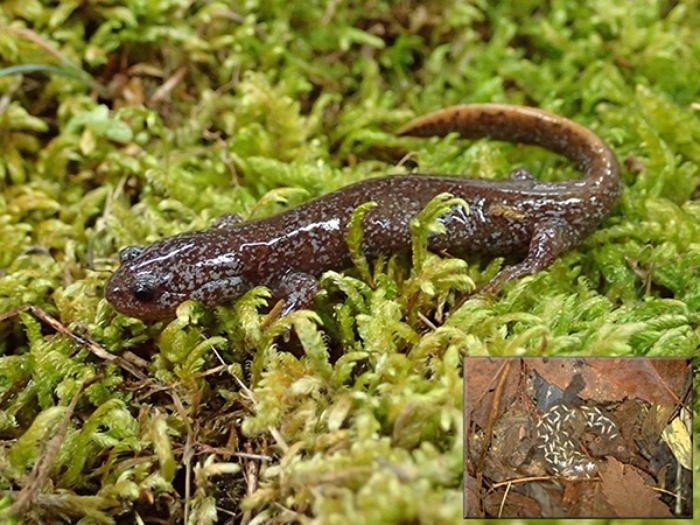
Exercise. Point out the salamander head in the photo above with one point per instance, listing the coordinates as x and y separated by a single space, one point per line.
152 282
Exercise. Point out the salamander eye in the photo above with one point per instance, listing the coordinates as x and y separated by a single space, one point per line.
144 288
129 253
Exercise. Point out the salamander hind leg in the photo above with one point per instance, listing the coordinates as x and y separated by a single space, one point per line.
549 239
298 291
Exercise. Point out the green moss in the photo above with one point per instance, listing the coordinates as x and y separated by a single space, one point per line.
124 122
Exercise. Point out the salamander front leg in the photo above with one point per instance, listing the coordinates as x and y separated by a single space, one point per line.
298 291
549 239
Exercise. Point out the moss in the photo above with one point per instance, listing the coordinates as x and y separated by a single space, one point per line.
123 122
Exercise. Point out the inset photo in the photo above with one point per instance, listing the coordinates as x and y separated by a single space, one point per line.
578 438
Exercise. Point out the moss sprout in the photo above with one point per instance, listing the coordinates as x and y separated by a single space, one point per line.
122 122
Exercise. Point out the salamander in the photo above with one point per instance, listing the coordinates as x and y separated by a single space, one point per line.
287 252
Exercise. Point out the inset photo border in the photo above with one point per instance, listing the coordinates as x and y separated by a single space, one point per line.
578 437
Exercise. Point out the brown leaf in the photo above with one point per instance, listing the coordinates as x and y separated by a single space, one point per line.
628 495
656 380
480 378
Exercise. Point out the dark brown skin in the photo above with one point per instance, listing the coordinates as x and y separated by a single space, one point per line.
287 252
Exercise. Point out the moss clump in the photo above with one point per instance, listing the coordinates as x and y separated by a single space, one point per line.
121 123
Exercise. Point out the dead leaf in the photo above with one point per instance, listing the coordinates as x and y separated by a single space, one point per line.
481 377
677 437
628 495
